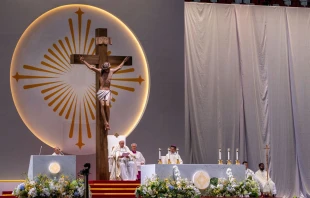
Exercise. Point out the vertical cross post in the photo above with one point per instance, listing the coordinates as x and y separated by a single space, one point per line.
102 172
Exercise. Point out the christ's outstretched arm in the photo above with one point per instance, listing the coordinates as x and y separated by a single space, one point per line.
121 65
91 67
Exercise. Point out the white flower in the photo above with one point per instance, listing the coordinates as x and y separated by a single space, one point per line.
45 192
32 192
234 185
81 191
221 180
150 191
61 180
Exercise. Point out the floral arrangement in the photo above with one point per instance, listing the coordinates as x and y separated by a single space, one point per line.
172 187
42 186
222 187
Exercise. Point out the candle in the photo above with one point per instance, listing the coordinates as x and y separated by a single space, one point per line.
169 153
220 154
237 150
228 150
159 150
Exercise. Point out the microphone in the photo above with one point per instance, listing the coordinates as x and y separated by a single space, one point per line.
61 152
40 150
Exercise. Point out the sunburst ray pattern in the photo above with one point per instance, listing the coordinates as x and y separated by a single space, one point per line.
52 78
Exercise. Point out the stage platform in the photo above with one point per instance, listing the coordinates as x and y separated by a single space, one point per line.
105 189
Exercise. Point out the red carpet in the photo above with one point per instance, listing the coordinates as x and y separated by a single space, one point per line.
112 189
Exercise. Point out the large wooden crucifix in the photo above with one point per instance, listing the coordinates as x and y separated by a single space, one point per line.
101 56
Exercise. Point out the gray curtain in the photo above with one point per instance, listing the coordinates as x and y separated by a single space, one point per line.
247 70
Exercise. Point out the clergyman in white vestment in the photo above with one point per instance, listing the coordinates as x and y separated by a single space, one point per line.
138 158
123 167
248 172
57 151
265 185
173 156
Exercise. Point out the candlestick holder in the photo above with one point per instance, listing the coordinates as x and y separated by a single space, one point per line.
178 160
237 162
228 162
169 161
220 161
159 153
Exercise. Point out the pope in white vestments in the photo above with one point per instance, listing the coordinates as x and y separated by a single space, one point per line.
138 158
123 167
173 156
265 185
57 151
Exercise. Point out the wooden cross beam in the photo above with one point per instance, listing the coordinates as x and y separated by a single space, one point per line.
101 56
94 59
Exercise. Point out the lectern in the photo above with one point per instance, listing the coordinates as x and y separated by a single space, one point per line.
52 166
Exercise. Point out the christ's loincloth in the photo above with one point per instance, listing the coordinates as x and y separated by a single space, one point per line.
104 95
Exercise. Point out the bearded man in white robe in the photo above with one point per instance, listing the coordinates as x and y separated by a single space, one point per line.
138 158
266 186
123 167
173 156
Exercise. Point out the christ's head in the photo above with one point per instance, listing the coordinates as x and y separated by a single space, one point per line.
106 66
121 143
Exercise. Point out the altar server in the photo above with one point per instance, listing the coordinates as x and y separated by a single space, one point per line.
173 155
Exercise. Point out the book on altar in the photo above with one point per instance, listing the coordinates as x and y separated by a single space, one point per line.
125 154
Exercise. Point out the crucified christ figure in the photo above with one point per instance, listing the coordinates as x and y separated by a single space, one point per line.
104 93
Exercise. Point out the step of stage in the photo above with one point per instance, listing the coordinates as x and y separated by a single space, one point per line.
105 189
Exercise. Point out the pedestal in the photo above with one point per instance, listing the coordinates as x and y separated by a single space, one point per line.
47 164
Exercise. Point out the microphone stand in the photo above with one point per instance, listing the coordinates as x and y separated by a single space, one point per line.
86 185
85 173
40 150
